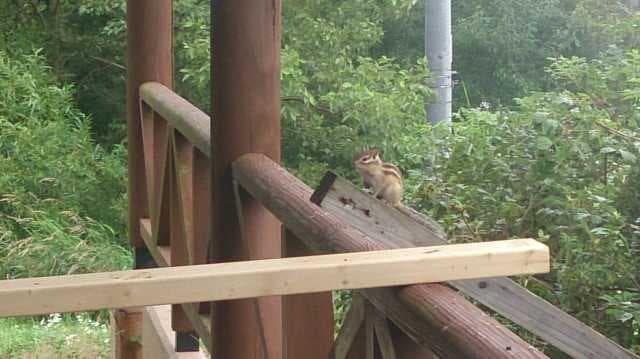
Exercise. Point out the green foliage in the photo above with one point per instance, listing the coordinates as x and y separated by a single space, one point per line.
562 167
53 179
55 336
344 98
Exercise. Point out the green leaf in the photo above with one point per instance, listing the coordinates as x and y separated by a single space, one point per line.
543 143
628 156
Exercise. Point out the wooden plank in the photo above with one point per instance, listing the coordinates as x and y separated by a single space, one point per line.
406 348
161 254
390 227
179 238
183 166
158 338
503 295
350 328
248 279
201 213
194 124
451 322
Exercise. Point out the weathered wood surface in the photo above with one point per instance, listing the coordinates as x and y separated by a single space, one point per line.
158 338
126 325
383 334
308 318
453 327
245 104
503 295
189 120
350 327
257 278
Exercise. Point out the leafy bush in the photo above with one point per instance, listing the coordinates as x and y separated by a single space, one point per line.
55 336
53 179
562 167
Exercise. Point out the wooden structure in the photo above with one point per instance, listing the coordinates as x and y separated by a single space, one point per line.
171 205
212 191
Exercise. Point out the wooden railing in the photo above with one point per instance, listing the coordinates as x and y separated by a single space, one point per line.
175 136
177 144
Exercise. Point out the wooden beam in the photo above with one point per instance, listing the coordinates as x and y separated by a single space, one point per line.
350 328
149 58
235 280
383 334
452 326
406 228
126 331
189 120
245 103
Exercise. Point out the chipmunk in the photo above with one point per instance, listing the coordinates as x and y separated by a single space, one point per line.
385 178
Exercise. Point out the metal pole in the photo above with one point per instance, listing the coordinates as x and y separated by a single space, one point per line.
246 118
439 52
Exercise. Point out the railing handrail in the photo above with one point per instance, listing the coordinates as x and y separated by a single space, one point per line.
189 120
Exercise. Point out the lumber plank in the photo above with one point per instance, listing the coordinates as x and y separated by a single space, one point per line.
307 318
407 227
248 279
194 124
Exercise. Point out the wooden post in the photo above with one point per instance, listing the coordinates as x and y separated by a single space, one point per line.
246 114
149 58
308 318
126 333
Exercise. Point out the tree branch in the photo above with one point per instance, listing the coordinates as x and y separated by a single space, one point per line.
613 131
318 108
110 63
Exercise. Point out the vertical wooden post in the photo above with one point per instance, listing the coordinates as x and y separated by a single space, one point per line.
149 58
246 114
308 318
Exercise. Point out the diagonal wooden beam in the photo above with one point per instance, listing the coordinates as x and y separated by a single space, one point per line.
383 334
350 328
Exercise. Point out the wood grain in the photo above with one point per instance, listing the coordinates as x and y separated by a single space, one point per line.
249 279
